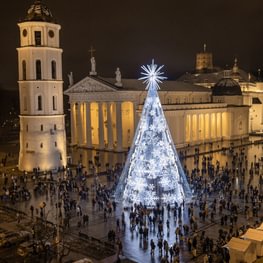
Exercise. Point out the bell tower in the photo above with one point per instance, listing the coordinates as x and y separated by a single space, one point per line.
42 120
204 60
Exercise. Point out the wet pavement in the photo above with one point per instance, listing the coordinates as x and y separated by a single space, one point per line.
134 247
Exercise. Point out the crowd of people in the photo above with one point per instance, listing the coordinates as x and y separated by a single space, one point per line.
225 199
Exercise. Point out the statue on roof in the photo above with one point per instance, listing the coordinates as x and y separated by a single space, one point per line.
93 67
118 78
70 79
235 67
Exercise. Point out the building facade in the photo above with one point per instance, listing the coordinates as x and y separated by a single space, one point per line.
105 115
207 75
42 120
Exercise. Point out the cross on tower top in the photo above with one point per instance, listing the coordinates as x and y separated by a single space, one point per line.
91 51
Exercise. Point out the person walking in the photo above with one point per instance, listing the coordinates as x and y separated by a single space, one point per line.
152 244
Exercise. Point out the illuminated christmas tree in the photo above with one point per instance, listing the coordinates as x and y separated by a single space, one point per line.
153 172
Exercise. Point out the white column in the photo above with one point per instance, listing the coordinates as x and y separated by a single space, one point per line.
88 126
135 116
79 124
190 129
209 126
216 128
197 128
221 126
109 126
183 121
119 125
73 123
101 127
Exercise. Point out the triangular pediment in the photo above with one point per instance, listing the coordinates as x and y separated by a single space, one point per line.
90 84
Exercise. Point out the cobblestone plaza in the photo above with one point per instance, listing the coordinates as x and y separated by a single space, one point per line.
135 247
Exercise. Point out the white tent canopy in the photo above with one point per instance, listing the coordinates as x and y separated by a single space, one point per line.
255 236
241 250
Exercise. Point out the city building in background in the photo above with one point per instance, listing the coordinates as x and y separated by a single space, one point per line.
105 111
207 75
42 120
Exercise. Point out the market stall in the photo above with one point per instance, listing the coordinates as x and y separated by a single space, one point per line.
241 250
256 237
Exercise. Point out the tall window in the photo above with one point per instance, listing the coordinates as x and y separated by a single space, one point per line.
38 38
39 103
38 69
53 69
54 102
41 127
24 69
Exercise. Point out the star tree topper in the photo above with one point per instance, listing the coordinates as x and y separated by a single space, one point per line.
152 75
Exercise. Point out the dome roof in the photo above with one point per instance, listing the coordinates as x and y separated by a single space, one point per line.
39 12
226 87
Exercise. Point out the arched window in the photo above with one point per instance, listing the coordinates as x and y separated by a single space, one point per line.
39 103
54 102
53 69
55 144
24 69
38 38
38 69
41 127
55 127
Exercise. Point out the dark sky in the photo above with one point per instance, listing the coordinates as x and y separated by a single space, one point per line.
127 34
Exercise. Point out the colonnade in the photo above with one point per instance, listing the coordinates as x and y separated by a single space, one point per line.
111 125
206 126
103 125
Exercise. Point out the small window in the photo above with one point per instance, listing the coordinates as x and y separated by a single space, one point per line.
38 70
24 33
53 69
55 144
41 127
39 103
55 127
51 33
41 145
24 69
27 145
38 38
54 102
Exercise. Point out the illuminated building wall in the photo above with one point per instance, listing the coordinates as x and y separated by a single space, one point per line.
42 126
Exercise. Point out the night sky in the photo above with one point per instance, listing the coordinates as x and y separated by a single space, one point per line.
127 34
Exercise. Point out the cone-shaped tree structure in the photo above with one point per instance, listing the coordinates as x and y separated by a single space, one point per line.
153 172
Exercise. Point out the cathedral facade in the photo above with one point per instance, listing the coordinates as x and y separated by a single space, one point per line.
105 112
